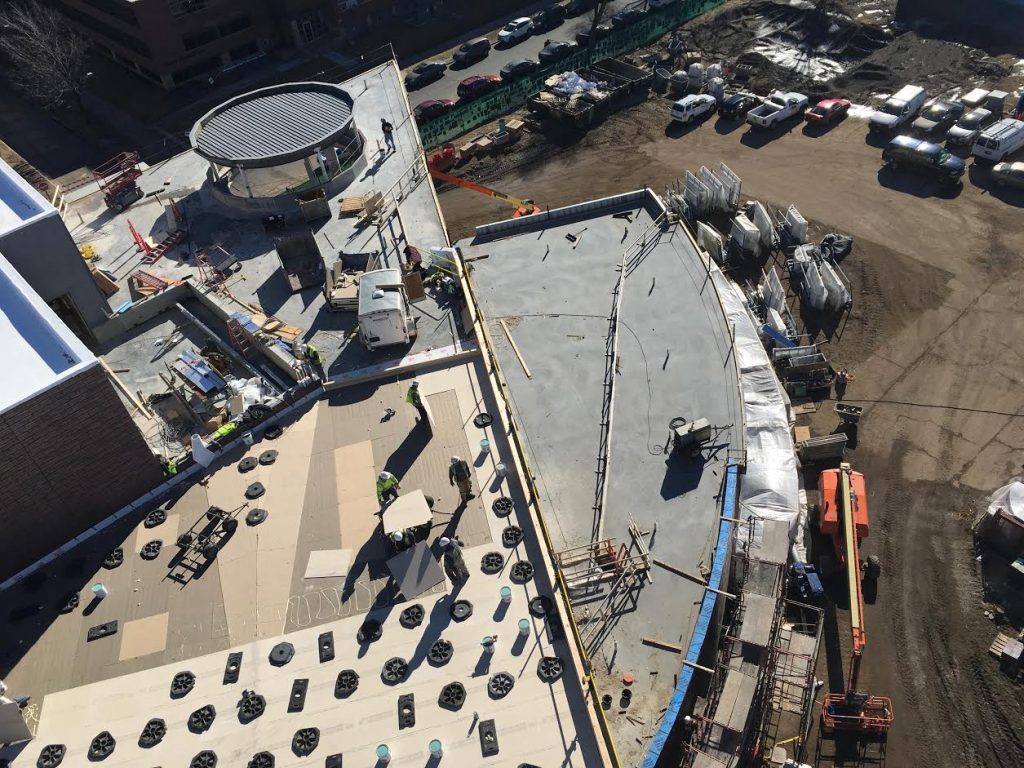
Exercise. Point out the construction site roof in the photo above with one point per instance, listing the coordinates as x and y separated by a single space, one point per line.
37 348
19 202
273 125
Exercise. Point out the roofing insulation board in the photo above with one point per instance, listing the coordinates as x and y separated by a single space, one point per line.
269 124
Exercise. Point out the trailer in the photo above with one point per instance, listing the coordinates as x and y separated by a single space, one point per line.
384 315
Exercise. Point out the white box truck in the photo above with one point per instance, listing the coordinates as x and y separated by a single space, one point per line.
999 140
384 316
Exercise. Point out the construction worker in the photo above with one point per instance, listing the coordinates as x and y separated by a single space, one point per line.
21 701
389 133
413 258
170 466
312 355
458 473
387 486
414 399
454 562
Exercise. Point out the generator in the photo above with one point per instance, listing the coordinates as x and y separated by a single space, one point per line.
688 437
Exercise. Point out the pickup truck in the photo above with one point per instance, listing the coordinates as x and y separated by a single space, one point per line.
777 108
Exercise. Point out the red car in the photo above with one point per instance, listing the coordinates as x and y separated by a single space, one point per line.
827 111
475 86
427 110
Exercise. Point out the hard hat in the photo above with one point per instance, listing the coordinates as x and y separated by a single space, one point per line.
444 541
397 535
415 383
456 459
383 475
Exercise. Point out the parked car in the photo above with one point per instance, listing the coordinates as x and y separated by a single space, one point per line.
1009 174
899 109
827 111
472 51
549 18
938 116
427 110
424 73
578 8
969 126
693 107
555 50
475 86
518 68
600 31
626 17
735 107
515 31
999 140
920 155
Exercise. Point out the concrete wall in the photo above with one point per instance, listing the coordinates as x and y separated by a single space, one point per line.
68 458
48 259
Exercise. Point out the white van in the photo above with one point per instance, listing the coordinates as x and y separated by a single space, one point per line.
999 140
384 317
899 109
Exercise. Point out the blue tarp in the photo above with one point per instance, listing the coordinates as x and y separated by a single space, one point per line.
776 336
707 610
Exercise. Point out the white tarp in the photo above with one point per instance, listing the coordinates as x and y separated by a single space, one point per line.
773 292
769 490
838 296
711 241
1010 499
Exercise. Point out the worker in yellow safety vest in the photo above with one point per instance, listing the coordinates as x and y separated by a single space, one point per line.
312 355
414 399
387 486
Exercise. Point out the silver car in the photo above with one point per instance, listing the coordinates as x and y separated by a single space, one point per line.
969 126
1009 174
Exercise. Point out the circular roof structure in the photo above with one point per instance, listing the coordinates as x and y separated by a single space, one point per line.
273 125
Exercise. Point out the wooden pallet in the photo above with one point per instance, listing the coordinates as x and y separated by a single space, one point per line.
350 206
999 644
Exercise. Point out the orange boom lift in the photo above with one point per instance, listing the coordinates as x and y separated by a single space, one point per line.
523 207
844 517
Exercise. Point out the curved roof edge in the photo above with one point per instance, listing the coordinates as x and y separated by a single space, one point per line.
235 134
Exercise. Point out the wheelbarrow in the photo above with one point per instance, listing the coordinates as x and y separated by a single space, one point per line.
848 414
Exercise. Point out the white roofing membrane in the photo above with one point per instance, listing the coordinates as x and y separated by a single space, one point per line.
38 350
19 203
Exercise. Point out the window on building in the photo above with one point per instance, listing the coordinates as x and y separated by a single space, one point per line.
185 7
119 9
97 27
311 26
232 26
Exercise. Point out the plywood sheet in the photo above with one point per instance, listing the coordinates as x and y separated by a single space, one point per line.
324 563
144 636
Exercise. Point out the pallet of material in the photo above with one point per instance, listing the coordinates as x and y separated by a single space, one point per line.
350 206
999 644
270 324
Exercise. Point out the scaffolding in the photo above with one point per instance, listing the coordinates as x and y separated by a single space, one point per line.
761 691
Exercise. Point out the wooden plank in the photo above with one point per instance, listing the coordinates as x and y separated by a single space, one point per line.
695 579
515 348
124 390
662 644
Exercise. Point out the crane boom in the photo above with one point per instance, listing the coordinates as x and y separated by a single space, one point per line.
523 207
848 501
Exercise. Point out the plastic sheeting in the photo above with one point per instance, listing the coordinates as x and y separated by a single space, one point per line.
1010 499
770 489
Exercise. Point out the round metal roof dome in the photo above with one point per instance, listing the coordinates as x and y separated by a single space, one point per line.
273 125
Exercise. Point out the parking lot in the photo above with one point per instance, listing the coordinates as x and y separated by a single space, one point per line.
936 278
500 56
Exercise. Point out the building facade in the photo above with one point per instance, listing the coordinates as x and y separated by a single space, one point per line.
35 240
172 42
69 452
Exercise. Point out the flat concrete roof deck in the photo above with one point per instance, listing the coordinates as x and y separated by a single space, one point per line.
674 359
176 614
259 280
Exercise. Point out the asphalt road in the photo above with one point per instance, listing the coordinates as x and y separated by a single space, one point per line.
445 88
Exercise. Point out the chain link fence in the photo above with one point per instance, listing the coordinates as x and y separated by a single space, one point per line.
653 25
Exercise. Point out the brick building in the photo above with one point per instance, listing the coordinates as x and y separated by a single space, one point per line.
171 42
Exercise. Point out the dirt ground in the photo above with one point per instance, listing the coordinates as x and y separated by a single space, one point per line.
933 342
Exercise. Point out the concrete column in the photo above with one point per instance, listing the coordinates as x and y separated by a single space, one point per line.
323 166
310 173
